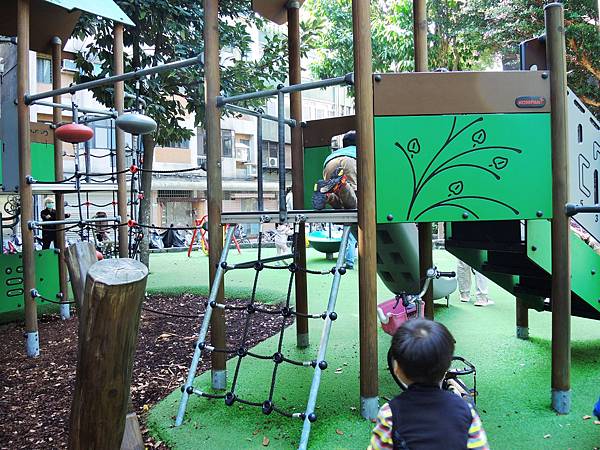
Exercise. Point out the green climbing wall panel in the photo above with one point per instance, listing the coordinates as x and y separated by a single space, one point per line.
463 167
313 170
42 161
11 278
585 262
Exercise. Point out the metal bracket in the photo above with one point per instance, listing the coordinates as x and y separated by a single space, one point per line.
346 216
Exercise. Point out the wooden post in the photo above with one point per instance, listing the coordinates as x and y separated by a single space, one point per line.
367 226
59 198
79 258
214 181
425 229
561 263
25 192
522 313
295 75
108 329
146 202
119 100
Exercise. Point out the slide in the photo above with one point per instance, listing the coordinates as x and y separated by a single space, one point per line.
398 261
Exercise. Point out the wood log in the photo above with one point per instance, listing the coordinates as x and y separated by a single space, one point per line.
109 323
79 258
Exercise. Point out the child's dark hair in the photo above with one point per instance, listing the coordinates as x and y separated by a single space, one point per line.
349 139
423 349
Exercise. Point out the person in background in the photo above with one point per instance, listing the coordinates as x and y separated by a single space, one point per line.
425 416
289 198
282 231
463 274
49 214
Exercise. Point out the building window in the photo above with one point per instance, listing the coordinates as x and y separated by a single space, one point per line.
104 134
201 136
185 144
174 194
270 150
44 70
227 143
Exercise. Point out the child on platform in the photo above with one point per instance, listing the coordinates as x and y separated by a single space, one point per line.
425 416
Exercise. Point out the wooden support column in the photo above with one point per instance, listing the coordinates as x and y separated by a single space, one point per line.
295 75
561 263
367 226
59 198
108 329
522 313
212 83
425 229
145 211
25 192
119 100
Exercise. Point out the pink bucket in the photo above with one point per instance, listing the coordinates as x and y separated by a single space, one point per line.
396 314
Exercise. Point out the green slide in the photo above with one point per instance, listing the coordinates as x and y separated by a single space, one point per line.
398 261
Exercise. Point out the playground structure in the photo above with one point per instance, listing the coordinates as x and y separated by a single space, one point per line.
481 199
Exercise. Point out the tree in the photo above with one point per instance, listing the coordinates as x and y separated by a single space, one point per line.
170 30
453 42
504 24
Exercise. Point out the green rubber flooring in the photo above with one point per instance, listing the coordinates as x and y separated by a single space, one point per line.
513 375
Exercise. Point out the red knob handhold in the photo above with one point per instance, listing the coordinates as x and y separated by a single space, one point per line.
74 133
140 196
133 168
131 223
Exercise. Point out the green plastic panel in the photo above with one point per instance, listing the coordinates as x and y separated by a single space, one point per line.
11 278
585 262
313 170
463 167
42 161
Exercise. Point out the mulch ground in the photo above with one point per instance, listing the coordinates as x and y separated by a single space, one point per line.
35 396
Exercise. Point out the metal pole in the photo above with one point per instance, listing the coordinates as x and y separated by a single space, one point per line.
251 112
295 76
522 314
316 381
561 263
347 79
259 163
425 229
212 77
31 325
58 105
118 77
367 226
281 154
59 243
119 100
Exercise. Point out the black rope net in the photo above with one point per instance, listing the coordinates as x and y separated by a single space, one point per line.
242 351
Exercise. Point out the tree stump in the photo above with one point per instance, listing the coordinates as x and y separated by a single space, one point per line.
108 329
79 258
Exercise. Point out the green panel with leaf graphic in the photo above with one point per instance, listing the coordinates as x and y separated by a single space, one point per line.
313 170
463 167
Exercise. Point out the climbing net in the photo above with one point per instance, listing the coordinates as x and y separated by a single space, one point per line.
241 351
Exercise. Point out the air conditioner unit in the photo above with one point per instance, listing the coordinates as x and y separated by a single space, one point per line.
273 162
251 171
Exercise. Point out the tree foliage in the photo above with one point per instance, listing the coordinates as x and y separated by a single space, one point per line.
506 23
170 30
454 41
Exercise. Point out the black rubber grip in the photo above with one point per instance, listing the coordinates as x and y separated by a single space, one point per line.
446 274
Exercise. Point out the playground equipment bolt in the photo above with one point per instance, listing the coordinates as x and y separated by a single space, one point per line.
302 416
323 365
377 77
182 388
544 75
224 265
293 267
342 270
280 86
56 251
201 345
390 217
241 352
539 213
533 248
59 295
465 215
30 179
258 266
251 308
213 303
34 293
303 124
267 407
333 315
286 312
189 390
278 358
312 417
593 271
229 398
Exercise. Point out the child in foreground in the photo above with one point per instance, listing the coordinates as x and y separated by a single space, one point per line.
425 416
